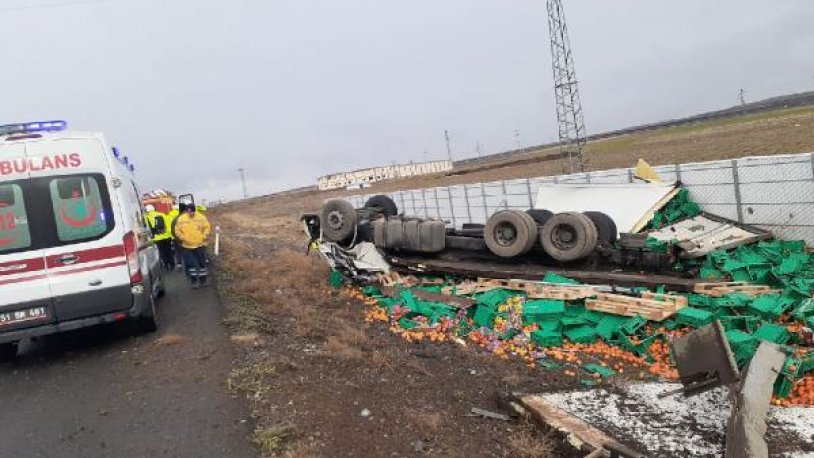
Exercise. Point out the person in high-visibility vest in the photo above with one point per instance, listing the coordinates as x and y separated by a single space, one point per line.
172 217
192 230
162 236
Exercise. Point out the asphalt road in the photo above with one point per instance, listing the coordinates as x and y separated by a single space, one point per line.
106 393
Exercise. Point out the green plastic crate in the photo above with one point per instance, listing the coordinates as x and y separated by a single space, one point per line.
551 277
573 321
773 333
608 327
632 325
583 334
601 370
545 309
694 317
547 338
485 315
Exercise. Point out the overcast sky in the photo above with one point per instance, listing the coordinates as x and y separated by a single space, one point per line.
294 89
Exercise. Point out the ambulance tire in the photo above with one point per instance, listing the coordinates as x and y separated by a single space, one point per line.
384 204
338 220
605 226
8 351
568 236
148 321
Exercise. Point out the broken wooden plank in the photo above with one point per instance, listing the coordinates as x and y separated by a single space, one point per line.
578 433
460 302
666 297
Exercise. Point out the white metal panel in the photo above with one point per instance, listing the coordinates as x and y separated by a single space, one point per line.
765 170
795 214
715 194
626 204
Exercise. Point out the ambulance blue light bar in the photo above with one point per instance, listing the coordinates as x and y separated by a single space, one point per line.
32 127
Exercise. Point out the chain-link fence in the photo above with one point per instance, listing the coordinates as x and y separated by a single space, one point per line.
773 192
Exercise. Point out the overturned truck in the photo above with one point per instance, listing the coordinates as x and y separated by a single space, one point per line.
637 228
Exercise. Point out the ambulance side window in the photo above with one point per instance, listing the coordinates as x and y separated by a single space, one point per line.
15 233
81 207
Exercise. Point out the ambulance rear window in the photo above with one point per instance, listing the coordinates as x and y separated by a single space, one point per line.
81 209
14 230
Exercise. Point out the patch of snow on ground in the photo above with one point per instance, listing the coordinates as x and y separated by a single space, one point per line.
798 420
675 426
662 427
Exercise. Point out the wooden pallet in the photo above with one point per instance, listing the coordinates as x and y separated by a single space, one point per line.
408 281
655 307
723 288
539 290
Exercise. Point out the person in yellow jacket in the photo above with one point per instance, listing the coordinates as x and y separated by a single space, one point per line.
192 229
159 224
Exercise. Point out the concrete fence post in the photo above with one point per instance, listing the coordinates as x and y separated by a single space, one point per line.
451 207
528 188
737 185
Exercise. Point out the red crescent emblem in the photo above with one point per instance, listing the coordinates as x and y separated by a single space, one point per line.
78 222
8 240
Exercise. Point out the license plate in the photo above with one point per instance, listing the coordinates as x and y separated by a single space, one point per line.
22 316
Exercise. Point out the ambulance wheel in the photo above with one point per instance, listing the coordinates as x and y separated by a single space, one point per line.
338 220
509 233
8 351
148 321
568 236
384 204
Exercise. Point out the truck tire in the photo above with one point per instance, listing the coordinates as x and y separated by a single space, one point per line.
338 220
8 351
383 204
507 233
539 215
568 236
604 226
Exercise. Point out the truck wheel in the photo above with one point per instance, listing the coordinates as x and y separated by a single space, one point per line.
383 204
604 226
568 236
338 220
540 216
8 351
507 233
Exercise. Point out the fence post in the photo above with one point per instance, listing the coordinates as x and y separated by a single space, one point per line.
630 175
678 172
437 204
412 201
468 210
588 177
737 184
451 207
528 187
505 195
403 205
483 195
424 202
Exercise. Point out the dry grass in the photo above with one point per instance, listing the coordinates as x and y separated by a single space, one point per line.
529 442
513 379
171 339
248 339
425 423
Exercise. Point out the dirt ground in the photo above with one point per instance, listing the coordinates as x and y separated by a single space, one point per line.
322 382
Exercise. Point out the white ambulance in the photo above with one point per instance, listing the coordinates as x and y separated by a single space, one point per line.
74 248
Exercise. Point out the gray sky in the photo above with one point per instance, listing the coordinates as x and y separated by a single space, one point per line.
293 89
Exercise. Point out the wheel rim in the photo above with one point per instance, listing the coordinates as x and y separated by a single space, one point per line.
336 220
563 237
505 234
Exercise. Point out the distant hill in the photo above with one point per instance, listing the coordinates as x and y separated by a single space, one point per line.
801 99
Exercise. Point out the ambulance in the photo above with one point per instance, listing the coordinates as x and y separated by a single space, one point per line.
74 248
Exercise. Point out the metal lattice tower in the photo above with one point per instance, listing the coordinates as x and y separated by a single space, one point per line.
566 93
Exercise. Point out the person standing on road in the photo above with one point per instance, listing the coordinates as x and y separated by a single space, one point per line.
160 227
192 229
176 247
